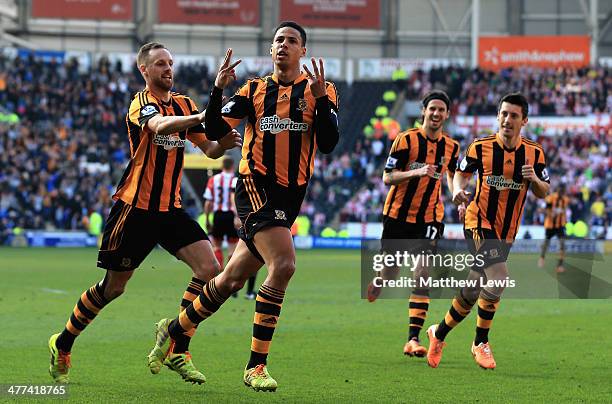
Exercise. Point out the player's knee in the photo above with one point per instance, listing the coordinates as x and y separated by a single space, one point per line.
206 271
236 284
282 269
231 280
471 294
492 293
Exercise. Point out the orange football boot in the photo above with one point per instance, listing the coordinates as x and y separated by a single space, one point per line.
434 353
483 355
414 348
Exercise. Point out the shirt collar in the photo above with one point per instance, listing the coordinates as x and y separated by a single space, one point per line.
501 144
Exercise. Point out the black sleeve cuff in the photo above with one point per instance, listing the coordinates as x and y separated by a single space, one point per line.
216 92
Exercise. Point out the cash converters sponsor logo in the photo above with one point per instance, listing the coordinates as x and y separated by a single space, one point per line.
168 142
415 166
501 183
275 124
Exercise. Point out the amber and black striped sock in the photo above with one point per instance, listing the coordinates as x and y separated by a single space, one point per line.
267 309
86 309
207 303
194 288
486 310
459 310
417 311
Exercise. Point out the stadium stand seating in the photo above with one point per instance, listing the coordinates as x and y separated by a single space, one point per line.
63 145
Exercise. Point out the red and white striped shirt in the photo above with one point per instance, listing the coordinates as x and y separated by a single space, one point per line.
219 191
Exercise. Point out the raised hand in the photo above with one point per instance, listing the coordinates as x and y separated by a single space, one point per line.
226 72
316 81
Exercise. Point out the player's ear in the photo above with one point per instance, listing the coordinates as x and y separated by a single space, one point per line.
270 49
525 120
303 51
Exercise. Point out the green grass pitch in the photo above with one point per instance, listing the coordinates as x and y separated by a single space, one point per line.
330 346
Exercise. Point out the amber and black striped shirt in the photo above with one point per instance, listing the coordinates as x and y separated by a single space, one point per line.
501 190
152 179
556 207
418 200
279 140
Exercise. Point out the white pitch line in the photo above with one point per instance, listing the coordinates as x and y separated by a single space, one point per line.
56 291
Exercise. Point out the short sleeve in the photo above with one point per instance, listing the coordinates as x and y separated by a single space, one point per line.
398 156
540 167
143 108
469 164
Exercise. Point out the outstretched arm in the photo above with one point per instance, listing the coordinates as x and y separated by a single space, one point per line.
165 125
216 149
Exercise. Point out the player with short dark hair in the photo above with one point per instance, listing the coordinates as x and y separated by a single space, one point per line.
555 220
290 114
413 209
507 165
148 211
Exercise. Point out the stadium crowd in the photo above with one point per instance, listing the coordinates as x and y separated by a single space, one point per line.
551 92
61 158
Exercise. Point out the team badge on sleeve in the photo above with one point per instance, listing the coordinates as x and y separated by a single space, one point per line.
391 163
228 107
463 164
148 110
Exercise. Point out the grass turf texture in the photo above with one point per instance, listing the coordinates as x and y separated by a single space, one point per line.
329 346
